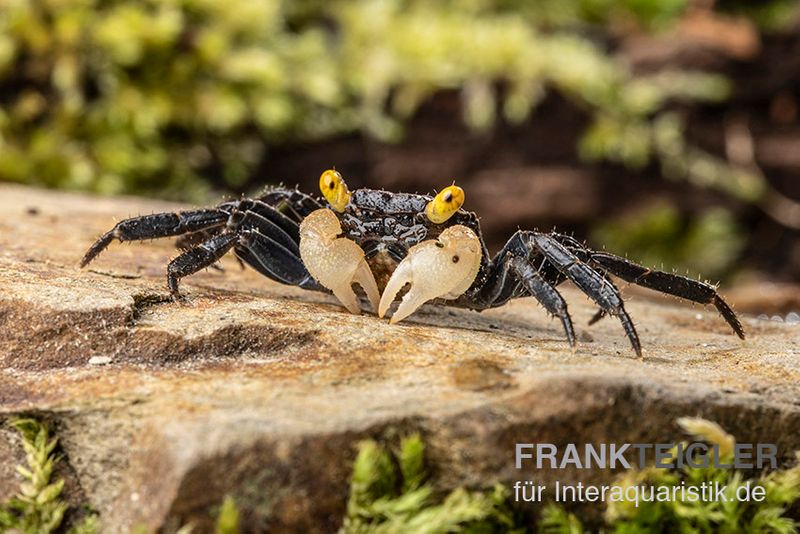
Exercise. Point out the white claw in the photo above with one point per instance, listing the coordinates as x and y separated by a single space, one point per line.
437 268
335 262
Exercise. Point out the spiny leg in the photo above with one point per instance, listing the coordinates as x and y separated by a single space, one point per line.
591 282
512 273
672 284
197 258
546 294
274 215
259 251
188 241
192 239
247 213
273 260
260 242
155 226
251 220
599 314
498 285
267 243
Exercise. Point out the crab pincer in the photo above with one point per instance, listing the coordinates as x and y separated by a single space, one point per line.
436 268
336 262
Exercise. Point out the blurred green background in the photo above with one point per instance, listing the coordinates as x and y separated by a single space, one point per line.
664 129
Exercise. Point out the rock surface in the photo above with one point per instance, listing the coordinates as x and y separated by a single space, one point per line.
262 391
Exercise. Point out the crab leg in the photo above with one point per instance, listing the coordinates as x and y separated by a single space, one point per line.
257 241
669 283
437 268
271 213
197 258
336 262
546 294
267 256
672 284
591 282
155 226
250 220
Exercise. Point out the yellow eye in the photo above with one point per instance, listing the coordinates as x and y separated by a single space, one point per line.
445 204
334 190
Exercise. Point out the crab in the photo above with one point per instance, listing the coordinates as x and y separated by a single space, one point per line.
386 242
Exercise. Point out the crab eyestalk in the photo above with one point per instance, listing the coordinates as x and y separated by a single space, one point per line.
336 262
445 204
437 268
335 191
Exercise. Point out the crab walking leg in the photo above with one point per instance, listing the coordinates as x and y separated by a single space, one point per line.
155 226
336 262
257 241
197 258
546 294
249 220
672 284
270 258
669 283
591 282
266 211
437 268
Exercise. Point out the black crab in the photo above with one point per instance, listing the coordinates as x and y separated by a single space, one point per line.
427 242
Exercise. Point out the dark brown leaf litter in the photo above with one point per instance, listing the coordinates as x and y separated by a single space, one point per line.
261 391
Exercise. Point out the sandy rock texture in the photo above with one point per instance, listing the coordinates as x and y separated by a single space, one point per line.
262 391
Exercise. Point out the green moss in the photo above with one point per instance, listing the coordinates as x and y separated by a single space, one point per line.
382 499
733 515
228 517
90 524
773 15
38 508
774 515
390 493
556 520
160 96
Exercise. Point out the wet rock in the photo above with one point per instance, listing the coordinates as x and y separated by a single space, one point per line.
261 391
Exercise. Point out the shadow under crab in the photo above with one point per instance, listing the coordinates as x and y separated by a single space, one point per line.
426 244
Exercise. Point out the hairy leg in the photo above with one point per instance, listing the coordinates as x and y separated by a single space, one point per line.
155 226
197 258
273 260
594 284
543 292
669 283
